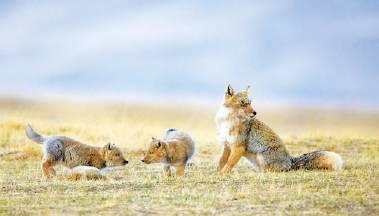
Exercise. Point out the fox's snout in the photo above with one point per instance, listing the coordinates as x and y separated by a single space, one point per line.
126 162
145 161
252 113
248 110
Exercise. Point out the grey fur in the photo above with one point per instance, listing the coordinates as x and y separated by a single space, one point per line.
304 161
54 149
33 135
168 131
53 146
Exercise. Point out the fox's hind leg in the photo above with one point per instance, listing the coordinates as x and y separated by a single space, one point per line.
224 158
235 155
180 169
167 170
47 167
252 158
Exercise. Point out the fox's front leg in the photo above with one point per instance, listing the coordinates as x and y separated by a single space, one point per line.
235 155
180 169
224 158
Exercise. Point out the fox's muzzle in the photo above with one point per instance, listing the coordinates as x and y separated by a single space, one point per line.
145 161
253 114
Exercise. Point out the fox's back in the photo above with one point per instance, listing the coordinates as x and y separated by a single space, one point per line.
70 151
261 137
182 142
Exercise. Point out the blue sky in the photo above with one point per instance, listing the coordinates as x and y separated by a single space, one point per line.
288 51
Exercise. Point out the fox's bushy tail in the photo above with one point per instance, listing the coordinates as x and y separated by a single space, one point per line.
168 131
33 135
318 160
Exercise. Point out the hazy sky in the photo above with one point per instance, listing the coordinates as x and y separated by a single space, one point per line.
288 51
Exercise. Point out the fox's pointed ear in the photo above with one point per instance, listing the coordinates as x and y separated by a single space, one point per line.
159 144
229 90
246 90
153 138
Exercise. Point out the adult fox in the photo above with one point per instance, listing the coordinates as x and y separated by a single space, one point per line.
243 135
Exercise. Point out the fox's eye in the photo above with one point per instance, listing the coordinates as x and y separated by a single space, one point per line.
117 155
245 102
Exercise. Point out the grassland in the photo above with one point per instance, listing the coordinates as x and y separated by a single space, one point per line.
140 189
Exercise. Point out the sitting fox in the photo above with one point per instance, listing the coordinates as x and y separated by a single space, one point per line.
174 150
71 153
243 135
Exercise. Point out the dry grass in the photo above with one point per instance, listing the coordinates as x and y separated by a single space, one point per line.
141 189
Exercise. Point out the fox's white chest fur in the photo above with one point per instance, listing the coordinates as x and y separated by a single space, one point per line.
224 123
226 119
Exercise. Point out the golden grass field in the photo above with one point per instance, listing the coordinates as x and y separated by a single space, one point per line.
140 189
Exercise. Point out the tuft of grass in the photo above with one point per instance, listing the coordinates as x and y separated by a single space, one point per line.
32 151
139 189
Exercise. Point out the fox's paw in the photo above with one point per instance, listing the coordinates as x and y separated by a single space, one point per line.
47 177
222 171
225 171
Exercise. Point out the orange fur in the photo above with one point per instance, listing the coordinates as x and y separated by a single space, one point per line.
173 151
224 158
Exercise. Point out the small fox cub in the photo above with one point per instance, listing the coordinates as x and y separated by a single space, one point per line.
243 135
72 153
174 150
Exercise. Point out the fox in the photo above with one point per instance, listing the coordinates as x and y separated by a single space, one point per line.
72 153
242 134
174 150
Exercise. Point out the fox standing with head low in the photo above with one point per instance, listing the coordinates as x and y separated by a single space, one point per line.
71 153
243 135
174 150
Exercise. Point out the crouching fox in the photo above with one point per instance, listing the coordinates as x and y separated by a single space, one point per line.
174 150
243 135
71 153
